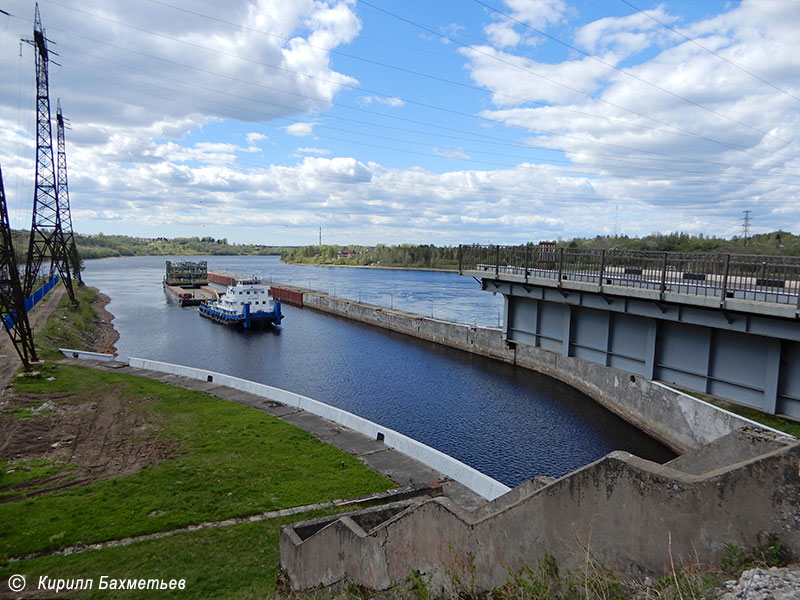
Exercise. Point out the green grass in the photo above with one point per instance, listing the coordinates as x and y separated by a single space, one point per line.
229 461
233 461
779 423
240 561
16 472
68 325
774 421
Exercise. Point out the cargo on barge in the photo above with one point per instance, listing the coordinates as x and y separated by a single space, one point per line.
186 283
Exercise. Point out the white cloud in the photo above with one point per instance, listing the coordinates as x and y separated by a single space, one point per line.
514 79
506 32
502 34
680 138
254 138
140 151
388 101
127 68
626 35
320 151
303 129
451 153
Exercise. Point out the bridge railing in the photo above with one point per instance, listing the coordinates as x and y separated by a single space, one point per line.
753 277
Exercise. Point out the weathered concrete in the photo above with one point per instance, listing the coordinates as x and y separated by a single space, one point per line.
633 515
678 420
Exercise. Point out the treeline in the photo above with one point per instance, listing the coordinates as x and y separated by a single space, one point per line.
104 246
446 257
409 256
777 242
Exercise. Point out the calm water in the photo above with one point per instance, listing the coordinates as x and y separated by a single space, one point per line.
509 423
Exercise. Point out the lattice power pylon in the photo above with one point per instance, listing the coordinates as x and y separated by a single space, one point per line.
63 195
12 299
47 235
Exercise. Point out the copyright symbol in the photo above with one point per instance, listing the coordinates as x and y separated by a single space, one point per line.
16 583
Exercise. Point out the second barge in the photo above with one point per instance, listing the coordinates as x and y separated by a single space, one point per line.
187 283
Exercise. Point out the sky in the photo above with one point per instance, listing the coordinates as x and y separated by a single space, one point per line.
423 121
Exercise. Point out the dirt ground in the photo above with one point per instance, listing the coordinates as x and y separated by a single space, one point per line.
93 436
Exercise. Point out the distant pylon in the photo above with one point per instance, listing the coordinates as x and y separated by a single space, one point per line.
47 237
12 299
746 225
63 196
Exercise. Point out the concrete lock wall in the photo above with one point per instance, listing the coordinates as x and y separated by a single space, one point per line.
481 484
678 420
632 515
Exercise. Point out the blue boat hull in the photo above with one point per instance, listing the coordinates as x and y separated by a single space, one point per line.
245 320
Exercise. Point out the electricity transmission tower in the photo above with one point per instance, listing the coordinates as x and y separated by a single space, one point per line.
12 299
746 225
63 196
47 236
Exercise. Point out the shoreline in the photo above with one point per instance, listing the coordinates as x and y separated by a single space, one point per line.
385 268
106 336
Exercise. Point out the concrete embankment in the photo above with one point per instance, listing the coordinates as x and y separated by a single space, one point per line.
678 420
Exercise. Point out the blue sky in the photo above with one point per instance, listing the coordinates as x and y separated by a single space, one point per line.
440 122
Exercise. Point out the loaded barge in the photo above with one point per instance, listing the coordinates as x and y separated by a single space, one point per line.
187 283
245 303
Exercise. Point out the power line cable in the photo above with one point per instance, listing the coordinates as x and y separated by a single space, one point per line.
630 74
660 156
710 51
636 167
677 131
543 132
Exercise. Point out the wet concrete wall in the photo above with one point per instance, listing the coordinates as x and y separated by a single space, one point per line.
678 420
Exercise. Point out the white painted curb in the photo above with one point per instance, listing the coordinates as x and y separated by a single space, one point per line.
473 479
85 355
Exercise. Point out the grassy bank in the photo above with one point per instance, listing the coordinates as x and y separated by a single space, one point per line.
134 456
68 326
230 461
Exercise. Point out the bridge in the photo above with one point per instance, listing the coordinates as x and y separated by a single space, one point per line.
726 325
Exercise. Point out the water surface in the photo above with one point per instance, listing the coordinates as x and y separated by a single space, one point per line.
507 422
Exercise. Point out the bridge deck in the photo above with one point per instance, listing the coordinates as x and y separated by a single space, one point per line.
756 284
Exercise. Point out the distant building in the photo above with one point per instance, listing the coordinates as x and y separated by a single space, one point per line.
346 253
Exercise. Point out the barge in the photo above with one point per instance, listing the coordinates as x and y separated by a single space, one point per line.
246 304
187 283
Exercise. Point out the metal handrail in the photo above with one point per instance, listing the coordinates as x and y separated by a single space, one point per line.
774 279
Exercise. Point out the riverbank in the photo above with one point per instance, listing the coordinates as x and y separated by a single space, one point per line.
385 268
162 481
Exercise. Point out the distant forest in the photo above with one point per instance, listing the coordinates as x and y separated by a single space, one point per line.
104 246
438 257
410 256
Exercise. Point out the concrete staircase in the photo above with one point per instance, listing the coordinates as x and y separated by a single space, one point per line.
633 515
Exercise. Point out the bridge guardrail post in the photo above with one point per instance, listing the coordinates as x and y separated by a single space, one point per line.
797 312
725 280
527 253
560 264
663 277
602 267
497 261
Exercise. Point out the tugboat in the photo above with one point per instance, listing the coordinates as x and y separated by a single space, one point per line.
245 304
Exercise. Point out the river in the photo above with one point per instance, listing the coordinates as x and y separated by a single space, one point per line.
507 422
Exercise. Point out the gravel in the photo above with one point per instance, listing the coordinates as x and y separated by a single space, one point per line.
764 584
